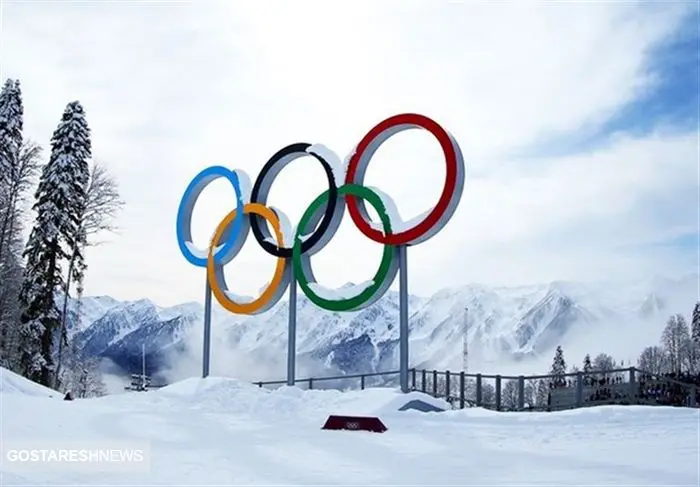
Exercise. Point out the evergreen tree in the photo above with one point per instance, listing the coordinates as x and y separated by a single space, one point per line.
11 122
41 279
587 368
11 126
5 94
558 367
695 324
60 202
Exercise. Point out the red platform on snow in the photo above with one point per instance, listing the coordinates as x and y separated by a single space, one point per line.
354 423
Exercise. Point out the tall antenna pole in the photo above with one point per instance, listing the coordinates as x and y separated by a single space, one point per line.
143 365
465 341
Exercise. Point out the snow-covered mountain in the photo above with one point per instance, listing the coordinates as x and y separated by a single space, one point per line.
504 323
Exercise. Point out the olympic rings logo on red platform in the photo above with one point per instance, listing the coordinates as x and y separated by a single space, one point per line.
319 222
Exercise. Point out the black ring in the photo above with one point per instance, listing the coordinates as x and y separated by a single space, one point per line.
261 189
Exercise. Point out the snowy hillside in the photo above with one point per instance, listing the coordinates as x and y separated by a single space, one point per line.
222 432
12 383
511 324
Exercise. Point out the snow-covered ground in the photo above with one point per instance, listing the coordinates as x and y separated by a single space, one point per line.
226 432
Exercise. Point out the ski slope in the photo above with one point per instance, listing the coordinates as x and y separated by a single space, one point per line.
226 432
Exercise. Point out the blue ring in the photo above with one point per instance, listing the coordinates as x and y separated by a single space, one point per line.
184 216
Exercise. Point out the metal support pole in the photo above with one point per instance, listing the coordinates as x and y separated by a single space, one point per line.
292 333
207 330
403 319
465 341
579 389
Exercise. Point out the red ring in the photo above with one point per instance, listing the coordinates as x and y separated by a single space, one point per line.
451 178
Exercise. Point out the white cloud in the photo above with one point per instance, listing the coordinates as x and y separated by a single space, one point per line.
170 89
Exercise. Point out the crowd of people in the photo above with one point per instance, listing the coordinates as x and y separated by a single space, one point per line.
667 389
673 389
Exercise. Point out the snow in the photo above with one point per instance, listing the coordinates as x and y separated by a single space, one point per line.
191 309
288 231
346 161
239 298
304 238
345 292
339 168
245 186
391 210
398 225
199 253
11 383
412 222
91 309
264 287
495 315
227 432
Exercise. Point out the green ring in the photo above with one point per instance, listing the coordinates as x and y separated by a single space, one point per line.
385 266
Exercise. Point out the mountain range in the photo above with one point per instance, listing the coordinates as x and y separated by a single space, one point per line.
506 326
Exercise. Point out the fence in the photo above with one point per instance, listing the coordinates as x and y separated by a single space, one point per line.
342 382
523 393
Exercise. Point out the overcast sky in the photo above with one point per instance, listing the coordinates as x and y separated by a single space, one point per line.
578 125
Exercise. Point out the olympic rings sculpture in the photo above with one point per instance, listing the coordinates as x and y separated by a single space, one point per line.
319 222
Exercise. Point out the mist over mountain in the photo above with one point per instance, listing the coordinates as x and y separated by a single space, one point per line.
509 328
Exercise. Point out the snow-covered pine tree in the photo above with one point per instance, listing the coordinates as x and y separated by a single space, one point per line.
558 367
695 324
72 149
587 365
5 94
41 279
8 125
587 368
11 126
60 200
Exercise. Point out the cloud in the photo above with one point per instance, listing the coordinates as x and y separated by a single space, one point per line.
172 88
227 360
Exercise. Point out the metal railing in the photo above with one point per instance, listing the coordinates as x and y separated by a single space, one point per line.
525 393
341 381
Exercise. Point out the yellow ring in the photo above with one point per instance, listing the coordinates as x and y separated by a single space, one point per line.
268 293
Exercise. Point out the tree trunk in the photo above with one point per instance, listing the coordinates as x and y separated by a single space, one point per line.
62 331
47 337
